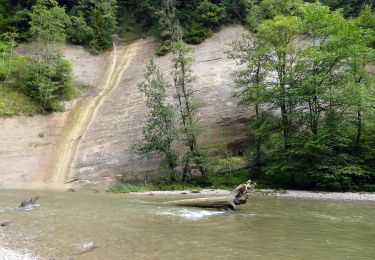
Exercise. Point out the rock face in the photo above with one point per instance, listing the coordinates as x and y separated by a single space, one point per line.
32 148
104 149
28 144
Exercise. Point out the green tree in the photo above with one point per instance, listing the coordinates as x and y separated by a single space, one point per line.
279 35
317 67
9 40
159 132
272 8
79 32
236 9
47 83
251 56
47 28
47 78
360 83
210 14
188 105
254 15
100 16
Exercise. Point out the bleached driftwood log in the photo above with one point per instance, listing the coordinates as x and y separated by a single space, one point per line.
237 197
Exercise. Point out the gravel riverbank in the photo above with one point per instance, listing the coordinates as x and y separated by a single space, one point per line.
343 196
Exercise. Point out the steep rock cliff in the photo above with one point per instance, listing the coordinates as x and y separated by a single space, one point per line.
90 142
104 149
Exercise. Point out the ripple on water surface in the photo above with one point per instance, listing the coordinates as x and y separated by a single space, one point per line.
188 213
111 226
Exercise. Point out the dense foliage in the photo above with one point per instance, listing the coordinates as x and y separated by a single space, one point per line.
322 92
304 73
93 22
45 77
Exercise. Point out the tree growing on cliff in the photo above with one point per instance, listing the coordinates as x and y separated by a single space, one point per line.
250 79
278 35
188 105
47 77
159 132
47 28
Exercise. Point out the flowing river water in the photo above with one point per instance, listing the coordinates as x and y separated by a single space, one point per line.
88 225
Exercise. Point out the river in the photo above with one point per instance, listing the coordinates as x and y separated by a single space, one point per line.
89 225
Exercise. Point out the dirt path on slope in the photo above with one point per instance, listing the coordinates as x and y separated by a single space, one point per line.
65 148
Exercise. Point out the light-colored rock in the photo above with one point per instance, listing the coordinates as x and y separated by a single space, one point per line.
104 149
91 141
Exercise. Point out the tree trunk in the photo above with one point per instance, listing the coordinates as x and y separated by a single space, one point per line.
10 61
357 144
238 196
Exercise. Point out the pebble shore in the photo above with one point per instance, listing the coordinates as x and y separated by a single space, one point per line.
343 196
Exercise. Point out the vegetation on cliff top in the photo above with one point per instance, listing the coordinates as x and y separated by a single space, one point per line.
324 137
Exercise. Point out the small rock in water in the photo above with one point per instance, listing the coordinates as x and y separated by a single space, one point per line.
86 246
71 190
195 191
4 223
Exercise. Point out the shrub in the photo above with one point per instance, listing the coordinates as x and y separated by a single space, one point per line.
163 48
47 83
196 34
78 31
210 15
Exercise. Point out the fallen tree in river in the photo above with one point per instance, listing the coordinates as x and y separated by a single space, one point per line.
238 196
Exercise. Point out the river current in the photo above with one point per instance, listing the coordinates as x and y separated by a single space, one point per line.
88 225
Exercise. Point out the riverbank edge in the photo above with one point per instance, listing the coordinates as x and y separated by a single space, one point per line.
298 194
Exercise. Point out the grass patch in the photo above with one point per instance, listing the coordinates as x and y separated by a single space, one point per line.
227 181
12 102
127 187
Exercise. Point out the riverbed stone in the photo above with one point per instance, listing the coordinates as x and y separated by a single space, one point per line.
4 223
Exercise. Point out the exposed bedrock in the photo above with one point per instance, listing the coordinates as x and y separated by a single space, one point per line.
29 145
104 152
92 138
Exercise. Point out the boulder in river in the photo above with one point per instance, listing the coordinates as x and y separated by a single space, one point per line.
4 223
